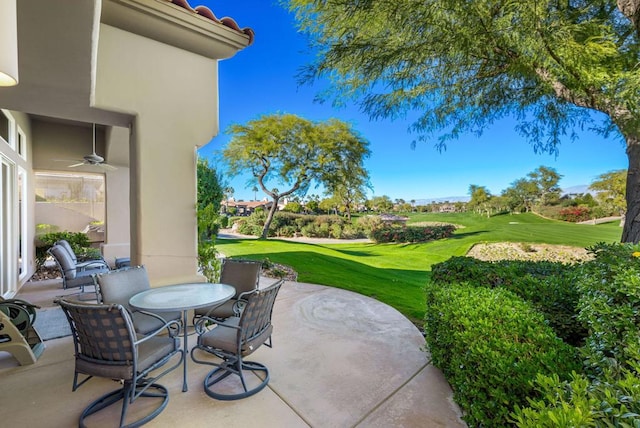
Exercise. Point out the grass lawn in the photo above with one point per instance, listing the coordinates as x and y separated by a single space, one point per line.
397 273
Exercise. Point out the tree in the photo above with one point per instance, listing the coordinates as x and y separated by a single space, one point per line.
480 197
546 180
521 195
210 194
294 152
348 196
380 203
329 204
556 66
293 207
611 187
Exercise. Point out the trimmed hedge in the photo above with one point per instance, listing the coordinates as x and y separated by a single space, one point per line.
549 286
411 233
491 345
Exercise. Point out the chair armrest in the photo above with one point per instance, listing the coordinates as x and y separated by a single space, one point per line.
241 302
168 326
91 264
159 318
200 325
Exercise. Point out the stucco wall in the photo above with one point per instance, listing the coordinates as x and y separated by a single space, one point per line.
175 98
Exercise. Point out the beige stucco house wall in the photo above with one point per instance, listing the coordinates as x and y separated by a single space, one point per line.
146 72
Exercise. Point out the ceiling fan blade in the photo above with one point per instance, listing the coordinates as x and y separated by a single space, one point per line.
107 167
76 164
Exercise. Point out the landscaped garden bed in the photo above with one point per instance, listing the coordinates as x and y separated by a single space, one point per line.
532 252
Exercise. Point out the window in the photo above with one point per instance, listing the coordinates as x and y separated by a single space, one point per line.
8 247
22 144
22 223
73 202
7 129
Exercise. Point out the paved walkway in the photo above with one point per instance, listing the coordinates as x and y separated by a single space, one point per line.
339 360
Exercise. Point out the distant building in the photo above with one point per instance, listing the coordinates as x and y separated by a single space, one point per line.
447 208
245 208
393 219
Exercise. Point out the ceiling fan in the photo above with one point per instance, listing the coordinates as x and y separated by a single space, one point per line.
94 159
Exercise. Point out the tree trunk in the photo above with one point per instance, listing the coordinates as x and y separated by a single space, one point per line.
631 229
267 222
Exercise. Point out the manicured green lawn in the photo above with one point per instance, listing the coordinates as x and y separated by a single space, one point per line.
397 273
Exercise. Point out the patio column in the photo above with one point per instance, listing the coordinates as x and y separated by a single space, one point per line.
117 219
174 96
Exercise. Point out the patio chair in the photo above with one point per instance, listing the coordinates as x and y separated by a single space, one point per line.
73 277
85 264
118 286
234 339
244 276
18 336
106 345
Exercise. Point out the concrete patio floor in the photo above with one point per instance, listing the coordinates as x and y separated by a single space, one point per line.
339 359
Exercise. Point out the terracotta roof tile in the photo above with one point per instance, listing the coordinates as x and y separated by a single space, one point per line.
207 13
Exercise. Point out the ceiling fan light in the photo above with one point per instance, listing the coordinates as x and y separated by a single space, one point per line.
8 43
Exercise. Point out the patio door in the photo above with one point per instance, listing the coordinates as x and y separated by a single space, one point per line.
8 247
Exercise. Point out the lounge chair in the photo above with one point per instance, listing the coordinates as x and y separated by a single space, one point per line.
85 264
72 276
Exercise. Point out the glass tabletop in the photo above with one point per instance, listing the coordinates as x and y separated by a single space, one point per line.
181 297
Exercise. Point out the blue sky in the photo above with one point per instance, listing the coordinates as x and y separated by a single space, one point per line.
261 79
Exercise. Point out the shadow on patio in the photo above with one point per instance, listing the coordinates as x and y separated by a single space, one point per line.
339 360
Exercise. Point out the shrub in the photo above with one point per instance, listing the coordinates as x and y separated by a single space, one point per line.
369 223
253 224
208 262
287 231
490 345
608 392
411 233
79 243
549 286
610 305
575 214
581 403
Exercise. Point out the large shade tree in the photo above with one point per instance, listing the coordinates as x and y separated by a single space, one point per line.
557 66
287 150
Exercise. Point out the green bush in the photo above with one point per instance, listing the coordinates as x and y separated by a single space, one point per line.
610 402
79 243
253 224
491 345
290 224
209 264
549 286
411 233
607 393
610 305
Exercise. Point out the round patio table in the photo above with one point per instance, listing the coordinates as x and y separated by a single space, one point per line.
182 297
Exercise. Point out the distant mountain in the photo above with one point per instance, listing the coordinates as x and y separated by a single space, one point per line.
451 199
574 190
